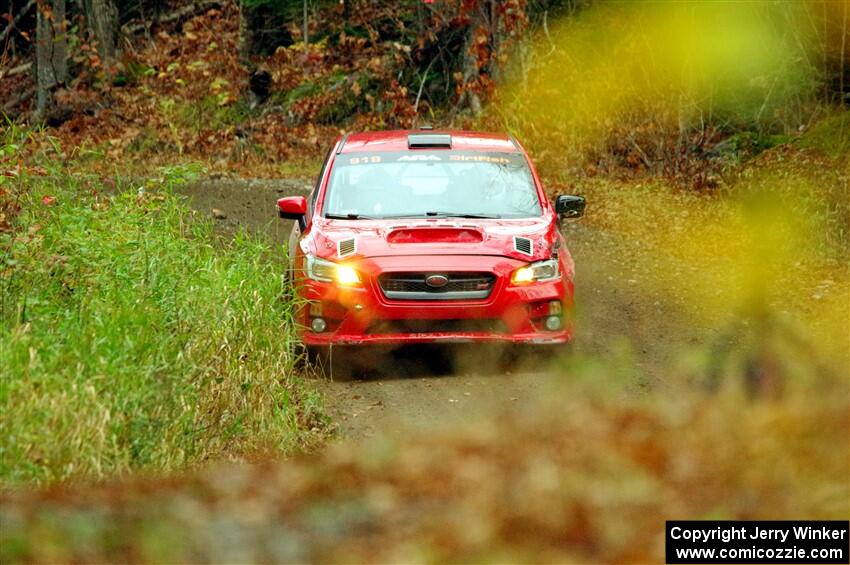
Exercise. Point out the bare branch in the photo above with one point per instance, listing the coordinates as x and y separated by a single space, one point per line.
15 21
16 70
421 86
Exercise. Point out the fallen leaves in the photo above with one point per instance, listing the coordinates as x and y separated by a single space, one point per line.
578 479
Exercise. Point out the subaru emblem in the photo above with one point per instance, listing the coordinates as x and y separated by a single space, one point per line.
436 281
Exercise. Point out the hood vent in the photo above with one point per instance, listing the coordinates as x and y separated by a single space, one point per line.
523 245
346 247
435 235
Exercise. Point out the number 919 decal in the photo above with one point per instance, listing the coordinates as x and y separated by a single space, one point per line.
364 160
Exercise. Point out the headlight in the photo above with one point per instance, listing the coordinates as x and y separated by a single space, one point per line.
540 271
347 276
326 271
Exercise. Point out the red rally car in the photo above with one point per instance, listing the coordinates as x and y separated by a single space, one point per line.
430 236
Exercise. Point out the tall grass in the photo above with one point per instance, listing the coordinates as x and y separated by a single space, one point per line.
130 339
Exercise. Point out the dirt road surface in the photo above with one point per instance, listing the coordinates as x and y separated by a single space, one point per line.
430 387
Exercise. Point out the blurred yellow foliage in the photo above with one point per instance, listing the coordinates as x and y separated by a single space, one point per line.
675 65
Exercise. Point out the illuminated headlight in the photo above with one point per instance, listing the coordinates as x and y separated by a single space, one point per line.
540 271
327 271
346 275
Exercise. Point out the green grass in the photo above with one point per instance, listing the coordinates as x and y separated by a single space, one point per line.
131 339
830 135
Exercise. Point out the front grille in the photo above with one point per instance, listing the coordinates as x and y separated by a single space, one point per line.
470 325
458 286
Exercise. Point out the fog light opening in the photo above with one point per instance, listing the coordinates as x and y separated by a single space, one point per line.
318 325
553 323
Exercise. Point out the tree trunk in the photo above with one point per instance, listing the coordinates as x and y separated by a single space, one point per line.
469 98
102 19
497 39
60 42
246 37
305 31
45 75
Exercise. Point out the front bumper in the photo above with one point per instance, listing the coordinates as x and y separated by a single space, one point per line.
364 315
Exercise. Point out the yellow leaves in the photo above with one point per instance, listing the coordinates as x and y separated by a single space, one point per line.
173 66
375 64
218 84
399 47
667 64
217 88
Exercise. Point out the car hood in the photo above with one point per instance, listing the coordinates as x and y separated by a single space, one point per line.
345 239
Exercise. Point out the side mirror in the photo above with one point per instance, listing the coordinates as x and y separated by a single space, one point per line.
569 206
293 208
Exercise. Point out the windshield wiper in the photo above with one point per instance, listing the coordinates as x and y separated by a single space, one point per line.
453 215
349 217
447 215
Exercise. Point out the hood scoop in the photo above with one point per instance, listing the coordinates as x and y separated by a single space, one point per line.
523 245
432 234
346 247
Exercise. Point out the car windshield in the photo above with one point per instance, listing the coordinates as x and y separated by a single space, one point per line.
435 184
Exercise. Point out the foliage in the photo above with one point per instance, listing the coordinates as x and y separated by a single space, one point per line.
684 92
589 475
830 136
368 65
656 87
130 339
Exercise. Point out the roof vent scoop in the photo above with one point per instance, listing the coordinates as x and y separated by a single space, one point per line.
429 141
346 247
523 245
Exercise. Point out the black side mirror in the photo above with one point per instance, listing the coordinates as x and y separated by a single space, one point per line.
569 206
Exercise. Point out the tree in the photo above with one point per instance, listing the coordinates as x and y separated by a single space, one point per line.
60 42
246 37
490 25
51 54
263 25
102 19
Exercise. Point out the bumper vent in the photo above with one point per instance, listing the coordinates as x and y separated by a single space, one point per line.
523 245
454 286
